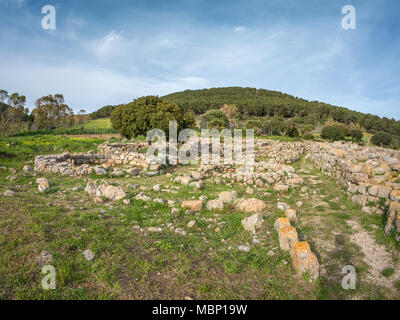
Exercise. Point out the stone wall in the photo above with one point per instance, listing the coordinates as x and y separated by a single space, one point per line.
371 175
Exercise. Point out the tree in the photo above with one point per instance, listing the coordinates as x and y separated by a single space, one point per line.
13 117
146 113
51 112
381 139
356 134
215 119
335 132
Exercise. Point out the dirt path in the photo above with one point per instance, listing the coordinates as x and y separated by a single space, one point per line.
375 255
331 223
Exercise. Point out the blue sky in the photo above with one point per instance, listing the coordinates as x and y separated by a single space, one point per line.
110 52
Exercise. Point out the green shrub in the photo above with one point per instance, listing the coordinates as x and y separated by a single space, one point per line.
308 136
214 119
356 134
293 132
335 132
381 139
146 113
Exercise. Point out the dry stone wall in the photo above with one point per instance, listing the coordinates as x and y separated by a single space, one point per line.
371 175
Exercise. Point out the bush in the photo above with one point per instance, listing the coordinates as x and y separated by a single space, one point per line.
293 132
308 136
356 134
381 139
146 113
215 119
336 132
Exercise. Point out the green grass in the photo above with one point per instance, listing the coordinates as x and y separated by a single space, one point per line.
387 272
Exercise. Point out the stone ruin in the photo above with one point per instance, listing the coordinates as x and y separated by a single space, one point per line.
371 176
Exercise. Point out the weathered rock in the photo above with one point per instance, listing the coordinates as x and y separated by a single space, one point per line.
27 168
253 222
227 196
291 214
110 192
43 185
287 237
194 205
9 193
215 204
88 254
191 224
304 260
283 206
250 205
45 257
143 197
281 223
91 188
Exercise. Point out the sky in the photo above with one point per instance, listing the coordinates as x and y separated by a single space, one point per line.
112 51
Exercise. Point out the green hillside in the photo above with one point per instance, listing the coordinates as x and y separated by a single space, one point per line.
261 103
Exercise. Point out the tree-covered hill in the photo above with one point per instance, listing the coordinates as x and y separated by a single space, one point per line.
261 103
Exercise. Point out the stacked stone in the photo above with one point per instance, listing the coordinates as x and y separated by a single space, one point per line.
304 261
370 174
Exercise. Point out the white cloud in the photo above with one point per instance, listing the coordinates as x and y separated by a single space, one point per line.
88 87
109 45
240 29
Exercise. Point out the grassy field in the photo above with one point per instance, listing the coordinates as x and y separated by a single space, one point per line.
133 263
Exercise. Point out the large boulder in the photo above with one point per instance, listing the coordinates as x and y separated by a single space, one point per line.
250 205
110 192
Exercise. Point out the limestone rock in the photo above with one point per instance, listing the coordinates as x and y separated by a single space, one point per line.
253 222
304 260
250 205
287 237
194 205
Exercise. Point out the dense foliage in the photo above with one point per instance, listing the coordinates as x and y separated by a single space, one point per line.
337 132
146 113
261 103
381 139
104 112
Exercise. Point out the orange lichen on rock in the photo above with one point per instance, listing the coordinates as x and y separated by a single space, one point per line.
281 223
304 260
287 237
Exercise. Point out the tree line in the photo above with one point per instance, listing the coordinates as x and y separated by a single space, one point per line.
50 112
265 103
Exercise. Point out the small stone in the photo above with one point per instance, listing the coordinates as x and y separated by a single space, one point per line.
9 193
27 168
244 248
191 224
88 254
45 257
249 190
156 187
154 229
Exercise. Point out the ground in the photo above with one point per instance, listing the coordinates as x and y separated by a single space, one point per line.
133 263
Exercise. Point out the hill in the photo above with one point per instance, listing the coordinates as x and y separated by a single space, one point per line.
261 103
